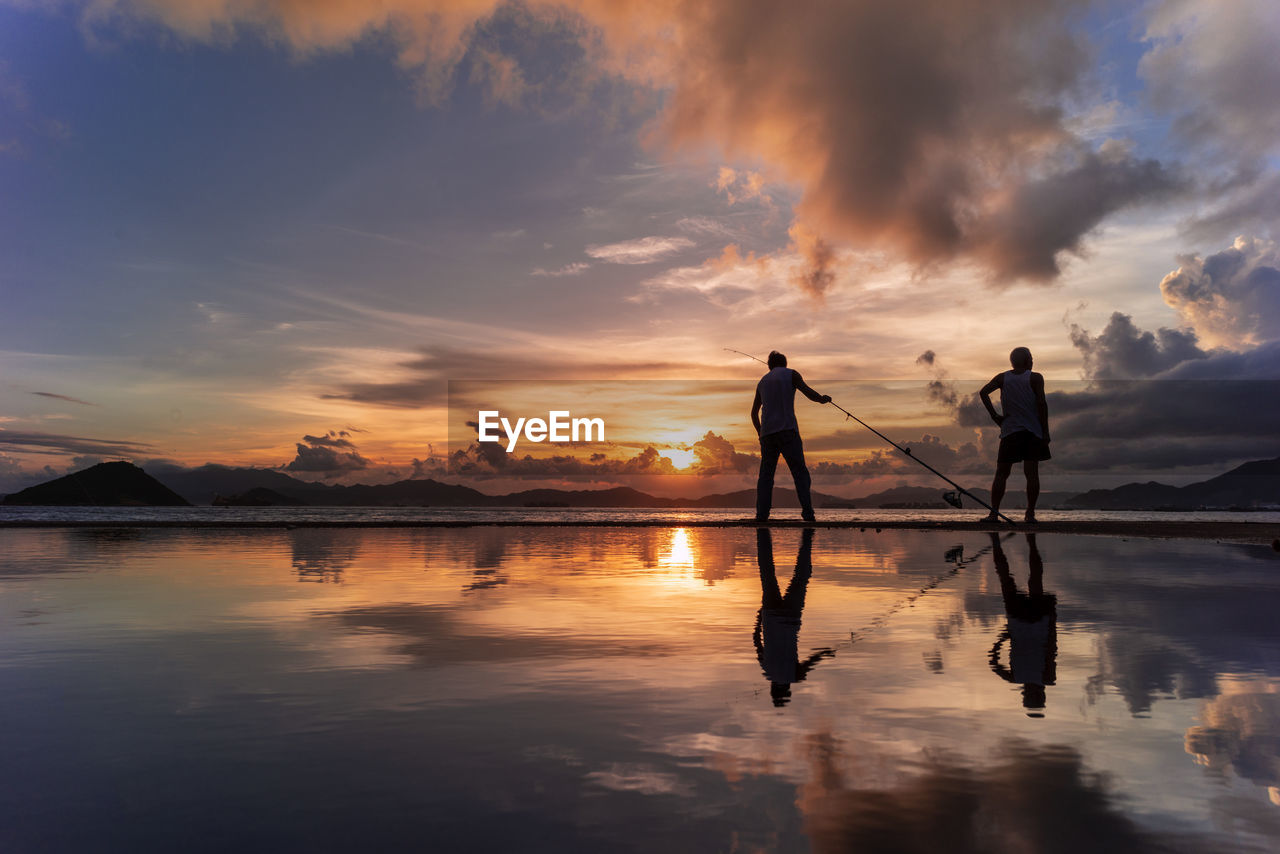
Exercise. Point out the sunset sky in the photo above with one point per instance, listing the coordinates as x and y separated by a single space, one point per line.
272 233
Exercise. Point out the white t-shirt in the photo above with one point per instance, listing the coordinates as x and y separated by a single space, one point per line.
1018 400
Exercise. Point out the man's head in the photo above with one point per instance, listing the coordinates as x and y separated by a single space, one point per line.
776 360
1020 358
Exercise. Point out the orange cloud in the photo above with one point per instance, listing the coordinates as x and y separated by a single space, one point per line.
938 135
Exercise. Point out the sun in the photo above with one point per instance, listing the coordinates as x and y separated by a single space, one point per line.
681 459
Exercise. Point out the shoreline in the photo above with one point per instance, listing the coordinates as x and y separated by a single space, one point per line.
1261 533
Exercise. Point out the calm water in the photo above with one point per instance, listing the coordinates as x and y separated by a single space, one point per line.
286 515
503 689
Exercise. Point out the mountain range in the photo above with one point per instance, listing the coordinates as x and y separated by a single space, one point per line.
1250 486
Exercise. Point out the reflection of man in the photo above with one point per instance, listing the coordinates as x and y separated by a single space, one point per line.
780 434
1032 631
777 634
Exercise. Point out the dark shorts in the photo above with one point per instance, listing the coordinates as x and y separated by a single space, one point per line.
1023 445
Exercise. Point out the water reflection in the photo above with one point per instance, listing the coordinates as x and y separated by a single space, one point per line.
777 632
1240 730
604 697
1034 798
1031 633
321 554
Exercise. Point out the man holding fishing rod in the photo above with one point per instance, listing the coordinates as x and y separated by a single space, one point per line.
780 434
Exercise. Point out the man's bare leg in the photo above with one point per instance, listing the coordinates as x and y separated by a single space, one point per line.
997 490
1031 468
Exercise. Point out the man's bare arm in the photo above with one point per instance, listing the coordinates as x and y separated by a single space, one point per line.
996 382
1042 404
755 412
804 389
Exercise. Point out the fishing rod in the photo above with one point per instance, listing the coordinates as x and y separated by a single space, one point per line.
948 497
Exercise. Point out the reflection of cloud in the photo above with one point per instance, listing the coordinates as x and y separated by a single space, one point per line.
640 778
321 554
437 636
1240 729
1143 667
1031 798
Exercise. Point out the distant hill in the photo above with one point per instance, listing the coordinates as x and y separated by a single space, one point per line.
925 497
201 485
106 484
259 496
1252 485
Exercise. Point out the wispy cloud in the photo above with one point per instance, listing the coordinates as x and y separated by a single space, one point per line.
567 270
52 443
642 250
63 397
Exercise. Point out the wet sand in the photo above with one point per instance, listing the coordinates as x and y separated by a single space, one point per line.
1237 532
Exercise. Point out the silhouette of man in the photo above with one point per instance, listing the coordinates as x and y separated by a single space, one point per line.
780 434
777 633
1032 630
1024 429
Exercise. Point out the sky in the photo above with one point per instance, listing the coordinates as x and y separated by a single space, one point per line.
291 235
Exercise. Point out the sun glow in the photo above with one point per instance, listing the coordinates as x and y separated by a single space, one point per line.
680 552
681 459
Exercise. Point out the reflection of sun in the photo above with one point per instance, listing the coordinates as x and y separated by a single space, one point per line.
680 459
681 551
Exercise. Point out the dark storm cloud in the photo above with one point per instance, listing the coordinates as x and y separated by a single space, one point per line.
331 454
1232 297
937 132
332 439
1026 236
1123 351
1191 407
1152 401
